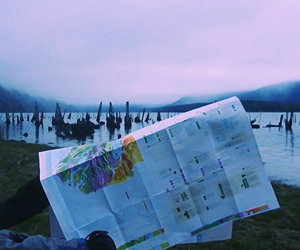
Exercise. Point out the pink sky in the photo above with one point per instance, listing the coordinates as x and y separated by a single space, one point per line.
146 51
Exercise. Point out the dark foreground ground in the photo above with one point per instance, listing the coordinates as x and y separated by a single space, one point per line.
278 229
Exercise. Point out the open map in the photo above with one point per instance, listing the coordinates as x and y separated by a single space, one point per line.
184 179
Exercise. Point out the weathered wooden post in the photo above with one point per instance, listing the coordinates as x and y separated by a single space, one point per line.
289 122
137 118
119 118
21 113
64 113
87 116
110 109
36 114
42 118
7 120
127 119
13 115
158 118
280 122
147 117
143 114
110 119
58 118
99 113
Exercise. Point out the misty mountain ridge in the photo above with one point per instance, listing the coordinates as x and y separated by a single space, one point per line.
10 99
274 97
285 93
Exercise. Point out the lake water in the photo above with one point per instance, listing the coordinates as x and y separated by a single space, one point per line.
280 149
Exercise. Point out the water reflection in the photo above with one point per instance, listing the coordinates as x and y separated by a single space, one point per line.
37 132
42 134
289 140
21 129
13 130
127 131
81 141
111 132
7 132
114 133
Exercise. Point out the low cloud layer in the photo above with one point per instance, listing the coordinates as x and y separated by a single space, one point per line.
146 51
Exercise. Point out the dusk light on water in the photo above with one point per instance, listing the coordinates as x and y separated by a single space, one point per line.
280 149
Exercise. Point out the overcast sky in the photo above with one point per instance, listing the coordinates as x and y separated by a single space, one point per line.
146 51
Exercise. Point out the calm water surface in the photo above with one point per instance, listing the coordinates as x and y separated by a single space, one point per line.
280 149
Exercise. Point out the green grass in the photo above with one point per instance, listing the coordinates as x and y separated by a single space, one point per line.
19 163
277 229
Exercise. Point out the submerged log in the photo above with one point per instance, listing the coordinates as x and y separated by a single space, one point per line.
279 125
80 130
137 118
272 125
253 125
252 122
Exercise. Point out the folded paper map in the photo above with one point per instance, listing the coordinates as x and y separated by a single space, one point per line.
172 182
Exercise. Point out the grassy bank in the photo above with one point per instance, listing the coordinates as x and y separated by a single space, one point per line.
278 229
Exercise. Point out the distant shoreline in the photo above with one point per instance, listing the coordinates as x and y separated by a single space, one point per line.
249 106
